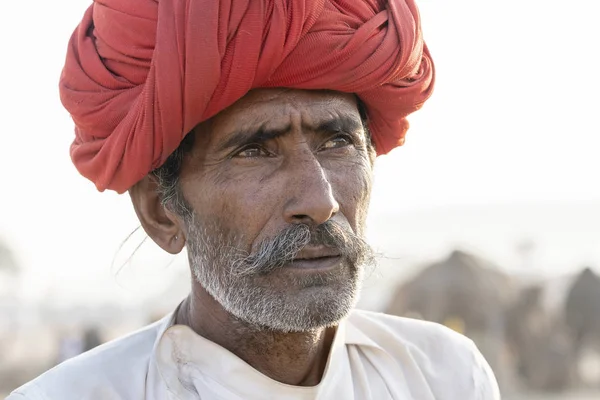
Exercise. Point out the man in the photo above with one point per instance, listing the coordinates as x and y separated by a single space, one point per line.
246 131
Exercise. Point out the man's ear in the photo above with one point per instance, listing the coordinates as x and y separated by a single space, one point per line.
164 227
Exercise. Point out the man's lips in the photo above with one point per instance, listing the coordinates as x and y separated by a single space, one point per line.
312 252
316 257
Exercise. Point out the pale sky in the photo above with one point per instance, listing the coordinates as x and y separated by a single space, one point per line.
514 119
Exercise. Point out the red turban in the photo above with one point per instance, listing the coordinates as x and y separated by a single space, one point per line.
141 74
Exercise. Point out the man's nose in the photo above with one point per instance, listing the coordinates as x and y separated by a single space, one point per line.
310 198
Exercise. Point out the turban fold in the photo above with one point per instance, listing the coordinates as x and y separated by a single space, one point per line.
141 74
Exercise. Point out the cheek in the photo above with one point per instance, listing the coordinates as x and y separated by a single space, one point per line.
351 184
239 204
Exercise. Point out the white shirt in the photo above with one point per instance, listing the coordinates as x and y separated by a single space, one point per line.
373 357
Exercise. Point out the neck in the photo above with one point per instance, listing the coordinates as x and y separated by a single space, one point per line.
297 358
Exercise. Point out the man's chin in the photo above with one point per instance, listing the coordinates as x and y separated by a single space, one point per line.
290 298
310 305
300 322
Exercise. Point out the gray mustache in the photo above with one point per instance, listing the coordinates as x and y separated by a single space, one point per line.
275 253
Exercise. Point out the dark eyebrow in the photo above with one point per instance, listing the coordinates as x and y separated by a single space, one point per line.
260 135
343 123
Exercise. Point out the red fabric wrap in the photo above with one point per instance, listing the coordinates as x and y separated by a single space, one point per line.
140 74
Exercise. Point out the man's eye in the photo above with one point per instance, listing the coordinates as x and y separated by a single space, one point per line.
337 142
252 152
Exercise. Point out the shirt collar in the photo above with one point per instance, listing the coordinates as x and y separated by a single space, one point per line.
188 364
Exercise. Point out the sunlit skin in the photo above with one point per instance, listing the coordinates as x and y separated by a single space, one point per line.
274 158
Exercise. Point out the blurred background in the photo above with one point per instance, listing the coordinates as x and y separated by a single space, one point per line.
487 220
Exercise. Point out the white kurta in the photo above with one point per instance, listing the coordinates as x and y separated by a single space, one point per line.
373 357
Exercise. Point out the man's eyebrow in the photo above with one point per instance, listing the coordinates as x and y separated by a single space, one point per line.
343 123
257 135
262 134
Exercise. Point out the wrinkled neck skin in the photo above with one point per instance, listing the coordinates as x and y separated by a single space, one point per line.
297 358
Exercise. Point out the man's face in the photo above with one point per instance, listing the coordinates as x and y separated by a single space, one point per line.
278 187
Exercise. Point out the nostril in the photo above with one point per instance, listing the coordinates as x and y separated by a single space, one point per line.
300 217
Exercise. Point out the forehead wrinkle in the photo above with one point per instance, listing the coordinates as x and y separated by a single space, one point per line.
270 116
315 118
340 123
269 107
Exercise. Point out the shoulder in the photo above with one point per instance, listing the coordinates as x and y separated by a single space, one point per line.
113 370
444 358
420 335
